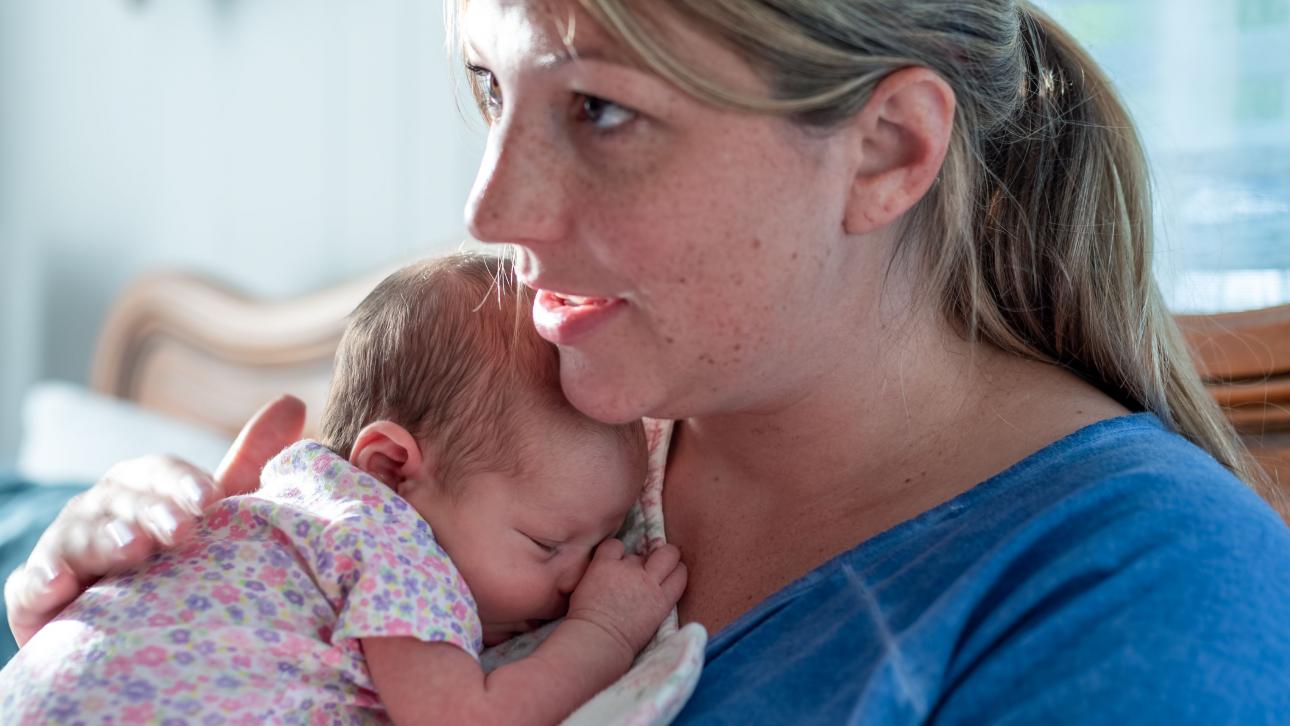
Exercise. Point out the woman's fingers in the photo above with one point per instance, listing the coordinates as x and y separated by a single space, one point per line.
131 490
89 541
122 543
277 425
136 507
72 541
34 594
115 524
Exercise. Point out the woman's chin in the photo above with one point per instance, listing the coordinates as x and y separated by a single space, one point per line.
610 399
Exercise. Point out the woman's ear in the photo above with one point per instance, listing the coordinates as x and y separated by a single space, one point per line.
902 135
390 453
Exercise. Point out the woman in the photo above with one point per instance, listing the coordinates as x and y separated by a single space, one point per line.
887 265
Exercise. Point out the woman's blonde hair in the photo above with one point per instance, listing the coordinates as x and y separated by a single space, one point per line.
1036 236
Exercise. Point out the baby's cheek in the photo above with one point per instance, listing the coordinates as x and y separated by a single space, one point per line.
505 599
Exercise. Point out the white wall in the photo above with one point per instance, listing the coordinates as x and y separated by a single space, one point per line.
279 145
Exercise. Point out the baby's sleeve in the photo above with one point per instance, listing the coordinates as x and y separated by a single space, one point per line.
394 580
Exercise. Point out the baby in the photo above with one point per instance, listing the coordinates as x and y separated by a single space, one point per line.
456 499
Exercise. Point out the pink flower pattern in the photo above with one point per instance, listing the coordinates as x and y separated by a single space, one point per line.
312 673
257 619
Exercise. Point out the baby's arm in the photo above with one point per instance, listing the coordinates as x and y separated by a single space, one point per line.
612 615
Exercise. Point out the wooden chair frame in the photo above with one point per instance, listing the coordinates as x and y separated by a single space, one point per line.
1244 359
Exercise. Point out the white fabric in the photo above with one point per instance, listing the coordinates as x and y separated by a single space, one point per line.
71 434
656 688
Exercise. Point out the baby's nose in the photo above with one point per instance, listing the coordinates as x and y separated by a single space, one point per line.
562 605
558 607
569 579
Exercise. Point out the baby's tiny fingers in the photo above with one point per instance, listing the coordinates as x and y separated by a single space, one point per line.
610 549
662 561
673 586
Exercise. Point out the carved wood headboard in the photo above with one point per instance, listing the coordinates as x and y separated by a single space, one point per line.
188 347
191 348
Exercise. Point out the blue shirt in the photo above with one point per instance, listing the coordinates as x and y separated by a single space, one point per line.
1120 575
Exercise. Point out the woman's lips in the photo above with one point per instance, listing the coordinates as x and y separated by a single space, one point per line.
562 319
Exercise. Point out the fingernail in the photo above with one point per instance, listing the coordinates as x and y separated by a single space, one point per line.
162 519
191 493
120 533
42 571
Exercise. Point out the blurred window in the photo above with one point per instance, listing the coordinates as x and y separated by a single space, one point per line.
1208 82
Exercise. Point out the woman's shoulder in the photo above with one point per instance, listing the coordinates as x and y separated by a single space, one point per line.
1121 559
1130 485
1107 565
1137 446
1127 479
1109 497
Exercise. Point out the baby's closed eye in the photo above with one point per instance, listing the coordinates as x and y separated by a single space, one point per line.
547 546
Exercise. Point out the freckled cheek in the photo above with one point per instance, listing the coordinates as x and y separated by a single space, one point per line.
717 322
697 259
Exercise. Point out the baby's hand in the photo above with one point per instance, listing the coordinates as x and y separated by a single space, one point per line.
627 596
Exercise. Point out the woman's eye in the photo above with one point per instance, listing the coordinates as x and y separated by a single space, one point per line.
487 90
604 115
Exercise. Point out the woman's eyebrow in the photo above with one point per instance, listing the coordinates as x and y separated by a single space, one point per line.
556 59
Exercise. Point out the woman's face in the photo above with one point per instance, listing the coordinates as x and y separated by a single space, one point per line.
709 243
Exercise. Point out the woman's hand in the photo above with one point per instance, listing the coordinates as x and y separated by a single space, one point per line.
137 507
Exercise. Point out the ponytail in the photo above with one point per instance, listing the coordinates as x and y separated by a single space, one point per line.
1062 236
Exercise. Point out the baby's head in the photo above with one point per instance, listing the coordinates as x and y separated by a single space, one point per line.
443 390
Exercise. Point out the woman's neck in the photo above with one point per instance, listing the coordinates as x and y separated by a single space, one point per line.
866 448
861 421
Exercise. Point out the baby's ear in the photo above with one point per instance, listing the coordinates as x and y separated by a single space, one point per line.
388 452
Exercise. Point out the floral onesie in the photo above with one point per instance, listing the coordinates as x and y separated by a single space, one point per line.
257 619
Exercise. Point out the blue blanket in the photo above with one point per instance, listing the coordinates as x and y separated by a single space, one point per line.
25 510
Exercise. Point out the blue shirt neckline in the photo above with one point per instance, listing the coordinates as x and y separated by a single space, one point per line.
947 509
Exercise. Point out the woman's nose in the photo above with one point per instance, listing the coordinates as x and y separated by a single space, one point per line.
519 193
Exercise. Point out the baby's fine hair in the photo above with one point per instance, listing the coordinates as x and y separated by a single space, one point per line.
443 348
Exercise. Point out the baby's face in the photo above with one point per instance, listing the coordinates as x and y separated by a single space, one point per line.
523 543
